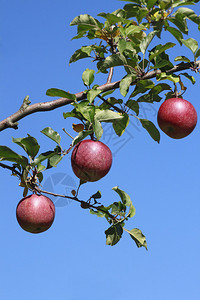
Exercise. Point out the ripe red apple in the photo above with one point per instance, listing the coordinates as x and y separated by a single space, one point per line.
177 117
35 213
91 160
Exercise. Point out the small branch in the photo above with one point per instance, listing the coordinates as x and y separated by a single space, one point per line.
13 169
88 205
111 105
11 122
110 75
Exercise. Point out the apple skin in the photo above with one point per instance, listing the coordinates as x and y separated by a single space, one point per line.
91 160
35 213
177 117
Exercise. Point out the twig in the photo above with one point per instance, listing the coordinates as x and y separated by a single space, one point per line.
10 168
67 133
111 105
88 205
110 75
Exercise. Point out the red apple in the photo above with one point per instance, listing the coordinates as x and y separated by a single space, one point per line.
91 160
177 117
35 213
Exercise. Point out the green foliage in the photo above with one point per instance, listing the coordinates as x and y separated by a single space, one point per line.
88 77
29 144
138 237
8 154
124 36
113 234
60 93
151 128
126 200
49 132
126 40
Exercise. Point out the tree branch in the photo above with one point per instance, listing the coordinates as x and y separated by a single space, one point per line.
87 204
110 75
11 121
11 169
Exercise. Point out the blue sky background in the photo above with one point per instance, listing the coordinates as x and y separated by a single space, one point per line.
71 261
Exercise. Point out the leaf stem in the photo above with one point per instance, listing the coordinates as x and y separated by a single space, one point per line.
67 133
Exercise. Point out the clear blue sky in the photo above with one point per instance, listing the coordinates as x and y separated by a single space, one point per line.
71 261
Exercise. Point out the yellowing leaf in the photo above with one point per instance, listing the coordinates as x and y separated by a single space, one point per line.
102 34
78 127
116 33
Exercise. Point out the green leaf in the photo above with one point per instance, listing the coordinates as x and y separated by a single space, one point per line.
52 134
112 61
40 167
54 160
113 234
120 125
87 22
97 195
92 94
151 129
176 33
60 93
86 110
197 53
125 84
118 208
124 46
126 200
182 2
161 64
40 175
188 13
112 18
162 49
43 156
97 213
151 3
9 155
182 58
109 102
81 136
98 130
172 77
191 78
132 104
29 144
134 30
107 115
88 77
73 114
107 93
149 98
180 23
138 237
192 44
84 52
142 86
160 87
146 41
